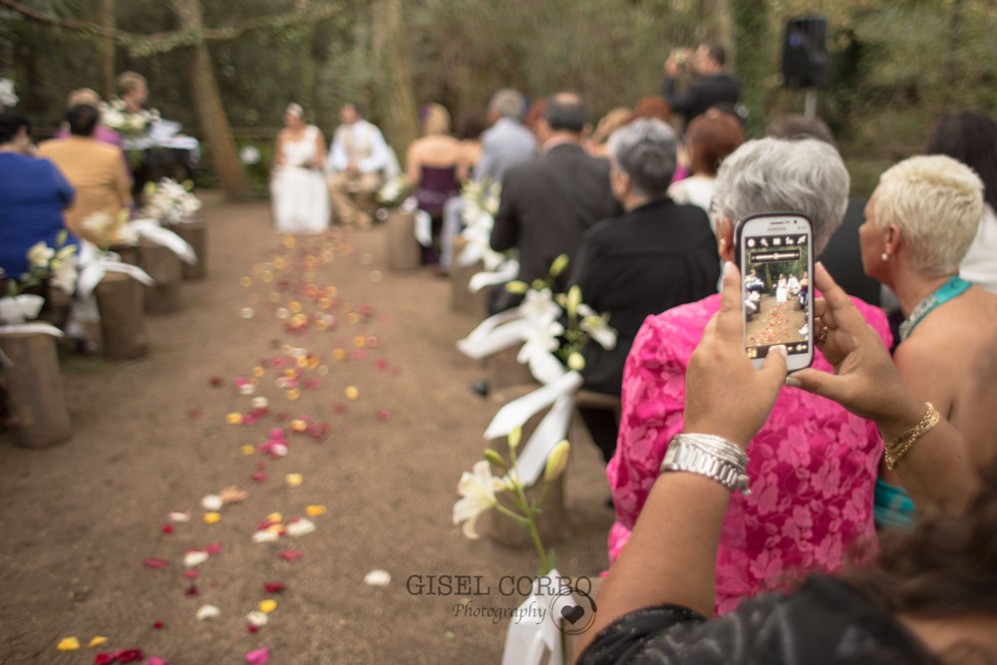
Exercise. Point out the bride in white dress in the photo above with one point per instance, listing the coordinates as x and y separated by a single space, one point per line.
297 187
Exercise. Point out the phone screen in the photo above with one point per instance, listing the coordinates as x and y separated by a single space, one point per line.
777 266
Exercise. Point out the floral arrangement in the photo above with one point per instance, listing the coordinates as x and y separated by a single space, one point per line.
108 230
130 124
478 490
8 98
481 203
393 192
57 266
170 201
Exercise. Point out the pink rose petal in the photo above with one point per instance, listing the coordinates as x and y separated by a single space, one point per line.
213 548
155 562
258 657
290 555
156 661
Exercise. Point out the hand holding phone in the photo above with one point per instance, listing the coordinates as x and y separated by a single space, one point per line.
775 256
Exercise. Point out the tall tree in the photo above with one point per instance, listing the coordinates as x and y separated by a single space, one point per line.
208 102
390 43
753 56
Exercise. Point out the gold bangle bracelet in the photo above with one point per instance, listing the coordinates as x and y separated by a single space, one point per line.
900 446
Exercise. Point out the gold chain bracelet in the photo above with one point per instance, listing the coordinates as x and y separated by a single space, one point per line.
900 446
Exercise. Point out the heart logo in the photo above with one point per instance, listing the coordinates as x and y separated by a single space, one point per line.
572 613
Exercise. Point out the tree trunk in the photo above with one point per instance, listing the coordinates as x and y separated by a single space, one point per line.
397 96
952 54
753 56
105 18
210 111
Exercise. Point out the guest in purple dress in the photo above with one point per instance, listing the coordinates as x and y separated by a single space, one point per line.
435 165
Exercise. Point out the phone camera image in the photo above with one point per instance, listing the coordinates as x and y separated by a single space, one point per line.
776 293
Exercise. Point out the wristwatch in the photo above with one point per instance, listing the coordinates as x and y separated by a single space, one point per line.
683 456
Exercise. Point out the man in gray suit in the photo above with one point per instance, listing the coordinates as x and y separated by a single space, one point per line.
504 145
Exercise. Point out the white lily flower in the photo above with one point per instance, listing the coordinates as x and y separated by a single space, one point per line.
597 327
477 491
40 254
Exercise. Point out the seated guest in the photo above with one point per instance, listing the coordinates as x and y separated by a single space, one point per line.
33 194
652 106
709 138
357 160
435 167
657 255
920 221
102 133
842 257
972 139
93 168
927 599
813 470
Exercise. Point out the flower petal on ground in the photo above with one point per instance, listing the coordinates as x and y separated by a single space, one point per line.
207 612
68 644
377 577
258 657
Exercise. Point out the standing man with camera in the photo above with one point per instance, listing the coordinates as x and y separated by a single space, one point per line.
710 86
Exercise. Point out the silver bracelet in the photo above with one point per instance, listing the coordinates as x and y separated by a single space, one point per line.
710 456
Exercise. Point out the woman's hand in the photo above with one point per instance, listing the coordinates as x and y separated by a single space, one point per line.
865 380
725 395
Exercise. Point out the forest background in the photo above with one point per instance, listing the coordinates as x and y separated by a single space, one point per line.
226 70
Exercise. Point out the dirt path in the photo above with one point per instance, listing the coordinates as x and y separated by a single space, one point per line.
79 521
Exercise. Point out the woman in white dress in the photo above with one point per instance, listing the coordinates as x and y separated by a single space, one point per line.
781 290
297 187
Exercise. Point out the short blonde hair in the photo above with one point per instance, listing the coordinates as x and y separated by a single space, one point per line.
83 96
436 120
937 203
130 81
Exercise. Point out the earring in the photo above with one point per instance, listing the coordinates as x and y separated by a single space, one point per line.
884 256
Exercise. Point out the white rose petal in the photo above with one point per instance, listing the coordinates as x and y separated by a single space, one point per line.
195 558
179 517
260 402
377 577
278 449
257 618
207 612
212 503
265 536
300 527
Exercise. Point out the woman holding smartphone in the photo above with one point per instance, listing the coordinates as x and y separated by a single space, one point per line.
928 599
814 468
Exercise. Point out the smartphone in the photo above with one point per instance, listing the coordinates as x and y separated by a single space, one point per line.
776 258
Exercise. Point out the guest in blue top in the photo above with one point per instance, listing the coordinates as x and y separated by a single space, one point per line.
33 194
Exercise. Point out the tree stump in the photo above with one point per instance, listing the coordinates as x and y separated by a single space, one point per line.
129 253
122 320
504 370
404 252
35 392
58 305
164 267
461 299
552 523
195 233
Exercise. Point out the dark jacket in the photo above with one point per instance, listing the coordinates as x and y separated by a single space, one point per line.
547 205
655 257
703 93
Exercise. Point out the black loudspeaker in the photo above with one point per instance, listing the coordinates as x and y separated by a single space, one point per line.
805 62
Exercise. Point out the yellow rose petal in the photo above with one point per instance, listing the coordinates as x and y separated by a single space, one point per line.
315 510
97 641
353 317
212 518
258 371
302 362
267 606
294 479
234 418
293 394
246 281
339 354
275 517
320 325
294 306
359 341
248 450
68 644
298 425
351 392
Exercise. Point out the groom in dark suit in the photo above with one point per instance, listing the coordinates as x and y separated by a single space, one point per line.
549 202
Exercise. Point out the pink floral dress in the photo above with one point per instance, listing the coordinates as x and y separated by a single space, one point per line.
812 466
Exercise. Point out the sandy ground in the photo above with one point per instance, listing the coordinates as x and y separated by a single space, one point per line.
78 521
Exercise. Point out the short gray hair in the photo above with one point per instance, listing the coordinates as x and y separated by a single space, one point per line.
775 175
508 103
646 151
937 203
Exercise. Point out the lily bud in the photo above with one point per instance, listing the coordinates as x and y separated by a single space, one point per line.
559 264
149 189
517 286
514 437
576 361
573 300
493 457
557 461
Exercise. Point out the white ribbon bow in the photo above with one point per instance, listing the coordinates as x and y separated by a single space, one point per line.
94 264
536 626
153 232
